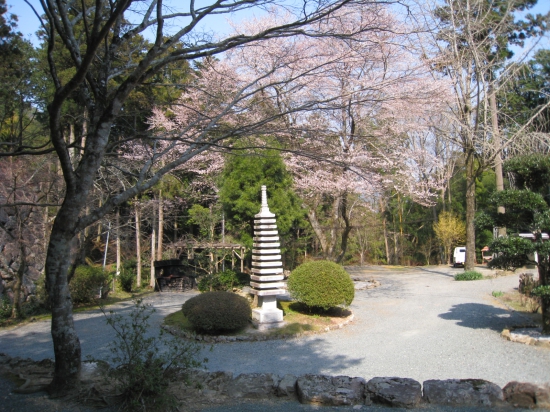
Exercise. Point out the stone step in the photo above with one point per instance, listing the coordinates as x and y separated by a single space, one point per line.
266 252
264 257
264 221
273 264
270 271
267 244
268 292
267 278
267 285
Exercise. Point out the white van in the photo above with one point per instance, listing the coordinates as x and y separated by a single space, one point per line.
459 256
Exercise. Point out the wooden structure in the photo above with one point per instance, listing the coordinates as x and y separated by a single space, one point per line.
217 252
172 275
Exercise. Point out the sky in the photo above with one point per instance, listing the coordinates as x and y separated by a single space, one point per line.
28 23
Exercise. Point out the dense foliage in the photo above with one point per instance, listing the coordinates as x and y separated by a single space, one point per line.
223 281
321 285
88 284
215 312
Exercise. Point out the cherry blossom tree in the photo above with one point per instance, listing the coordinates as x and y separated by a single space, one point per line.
347 111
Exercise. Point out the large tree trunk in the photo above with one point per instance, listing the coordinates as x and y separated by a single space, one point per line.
16 308
65 340
138 243
347 229
161 227
153 253
498 156
470 209
545 299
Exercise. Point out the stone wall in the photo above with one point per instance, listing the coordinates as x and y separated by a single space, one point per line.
210 388
389 391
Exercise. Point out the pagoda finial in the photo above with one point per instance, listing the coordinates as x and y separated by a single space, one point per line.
264 209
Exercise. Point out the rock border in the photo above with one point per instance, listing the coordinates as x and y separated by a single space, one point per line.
255 337
537 340
322 390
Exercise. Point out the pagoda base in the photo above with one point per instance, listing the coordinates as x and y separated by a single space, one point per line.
267 315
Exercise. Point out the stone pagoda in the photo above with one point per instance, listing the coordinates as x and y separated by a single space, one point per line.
267 268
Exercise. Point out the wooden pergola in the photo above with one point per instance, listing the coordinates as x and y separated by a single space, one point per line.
215 249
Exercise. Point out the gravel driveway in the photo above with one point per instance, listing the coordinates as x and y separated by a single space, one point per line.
418 324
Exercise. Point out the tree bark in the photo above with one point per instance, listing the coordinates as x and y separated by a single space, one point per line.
138 242
498 157
470 209
16 309
347 229
161 227
153 253
545 299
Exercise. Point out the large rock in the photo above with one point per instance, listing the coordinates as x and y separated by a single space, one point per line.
463 392
287 386
253 386
212 381
329 390
526 395
398 392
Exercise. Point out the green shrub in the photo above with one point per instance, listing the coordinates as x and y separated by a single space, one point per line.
87 283
541 291
143 371
41 293
469 275
224 281
5 307
321 285
213 312
126 279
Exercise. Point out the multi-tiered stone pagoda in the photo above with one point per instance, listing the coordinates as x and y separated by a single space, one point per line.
267 268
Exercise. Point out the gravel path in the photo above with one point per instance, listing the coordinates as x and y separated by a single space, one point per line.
418 324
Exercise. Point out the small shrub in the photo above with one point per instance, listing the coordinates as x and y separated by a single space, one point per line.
321 285
214 312
469 275
223 281
143 371
5 307
41 293
86 284
541 291
497 293
126 279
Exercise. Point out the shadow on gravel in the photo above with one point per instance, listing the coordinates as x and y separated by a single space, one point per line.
479 316
449 275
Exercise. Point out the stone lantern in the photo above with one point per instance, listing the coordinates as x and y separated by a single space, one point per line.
267 268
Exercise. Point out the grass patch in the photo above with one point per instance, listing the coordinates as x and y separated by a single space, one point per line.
497 293
522 303
469 275
298 319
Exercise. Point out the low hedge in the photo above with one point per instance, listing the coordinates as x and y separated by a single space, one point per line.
469 275
215 312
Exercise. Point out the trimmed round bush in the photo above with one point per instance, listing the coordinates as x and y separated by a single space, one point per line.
321 285
214 312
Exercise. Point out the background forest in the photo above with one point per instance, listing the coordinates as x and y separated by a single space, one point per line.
380 131
325 208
